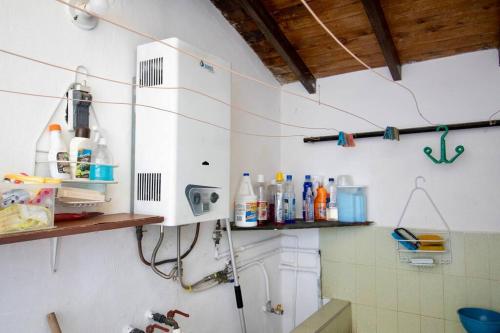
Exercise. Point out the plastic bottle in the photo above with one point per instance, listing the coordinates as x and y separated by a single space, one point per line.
289 201
315 185
320 204
307 184
332 213
245 207
262 203
278 199
271 194
309 206
80 150
58 152
102 169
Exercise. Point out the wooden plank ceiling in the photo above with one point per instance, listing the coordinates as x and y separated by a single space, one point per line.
420 29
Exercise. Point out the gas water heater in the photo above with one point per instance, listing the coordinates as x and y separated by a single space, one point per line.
181 162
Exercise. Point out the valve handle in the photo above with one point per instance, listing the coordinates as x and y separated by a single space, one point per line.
172 313
151 328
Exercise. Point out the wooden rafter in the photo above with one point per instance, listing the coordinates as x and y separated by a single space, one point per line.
377 19
271 30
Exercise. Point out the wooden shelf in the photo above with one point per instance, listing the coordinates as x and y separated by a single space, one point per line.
67 228
300 224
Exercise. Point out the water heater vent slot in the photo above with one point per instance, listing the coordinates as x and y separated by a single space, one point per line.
149 186
151 72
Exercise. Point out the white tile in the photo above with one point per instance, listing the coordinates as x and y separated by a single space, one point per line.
408 323
457 266
339 280
431 325
455 296
478 293
494 249
431 295
385 245
495 295
453 327
408 292
365 245
365 285
386 285
387 321
338 244
366 319
477 255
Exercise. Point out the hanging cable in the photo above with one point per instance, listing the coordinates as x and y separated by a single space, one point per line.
226 68
99 77
154 108
140 233
320 22
492 115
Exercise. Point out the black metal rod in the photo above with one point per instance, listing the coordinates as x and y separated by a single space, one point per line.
413 130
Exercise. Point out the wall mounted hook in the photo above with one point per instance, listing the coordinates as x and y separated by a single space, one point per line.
458 149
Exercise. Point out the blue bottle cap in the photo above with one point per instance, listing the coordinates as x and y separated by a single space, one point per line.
246 174
288 177
330 179
308 177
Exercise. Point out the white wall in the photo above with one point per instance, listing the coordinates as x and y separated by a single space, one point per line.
450 90
101 285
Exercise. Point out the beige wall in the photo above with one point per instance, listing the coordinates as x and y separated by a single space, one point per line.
360 264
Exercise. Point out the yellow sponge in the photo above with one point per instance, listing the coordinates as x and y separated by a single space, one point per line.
431 242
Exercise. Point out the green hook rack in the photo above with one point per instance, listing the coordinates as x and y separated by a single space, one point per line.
458 149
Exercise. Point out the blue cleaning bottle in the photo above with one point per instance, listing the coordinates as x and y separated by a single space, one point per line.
289 201
307 184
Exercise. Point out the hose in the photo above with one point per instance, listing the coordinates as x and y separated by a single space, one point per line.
153 258
201 285
140 234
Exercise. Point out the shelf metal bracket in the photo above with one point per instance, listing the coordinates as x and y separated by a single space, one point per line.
54 253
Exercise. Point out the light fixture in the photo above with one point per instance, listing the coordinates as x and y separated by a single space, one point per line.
84 20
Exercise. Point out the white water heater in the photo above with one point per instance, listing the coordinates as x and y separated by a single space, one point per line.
181 164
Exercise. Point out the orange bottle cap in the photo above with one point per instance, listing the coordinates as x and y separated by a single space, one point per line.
54 127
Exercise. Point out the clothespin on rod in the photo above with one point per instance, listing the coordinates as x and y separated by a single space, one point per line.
391 133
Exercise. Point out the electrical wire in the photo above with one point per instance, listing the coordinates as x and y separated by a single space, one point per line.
140 233
153 108
215 64
201 93
492 115
322 24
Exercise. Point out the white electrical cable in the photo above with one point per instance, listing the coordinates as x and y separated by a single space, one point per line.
237 108
228 69
320 22
154 108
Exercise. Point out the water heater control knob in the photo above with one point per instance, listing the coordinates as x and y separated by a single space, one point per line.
197 198
214 197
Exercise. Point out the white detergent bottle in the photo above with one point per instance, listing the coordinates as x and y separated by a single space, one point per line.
245 206
57 153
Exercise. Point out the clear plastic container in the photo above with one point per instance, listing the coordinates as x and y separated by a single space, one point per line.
26 207
351 203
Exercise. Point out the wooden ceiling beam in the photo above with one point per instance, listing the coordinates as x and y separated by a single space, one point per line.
377 19
271 30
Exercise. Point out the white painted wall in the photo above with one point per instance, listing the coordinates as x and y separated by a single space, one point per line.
450 90
101 285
